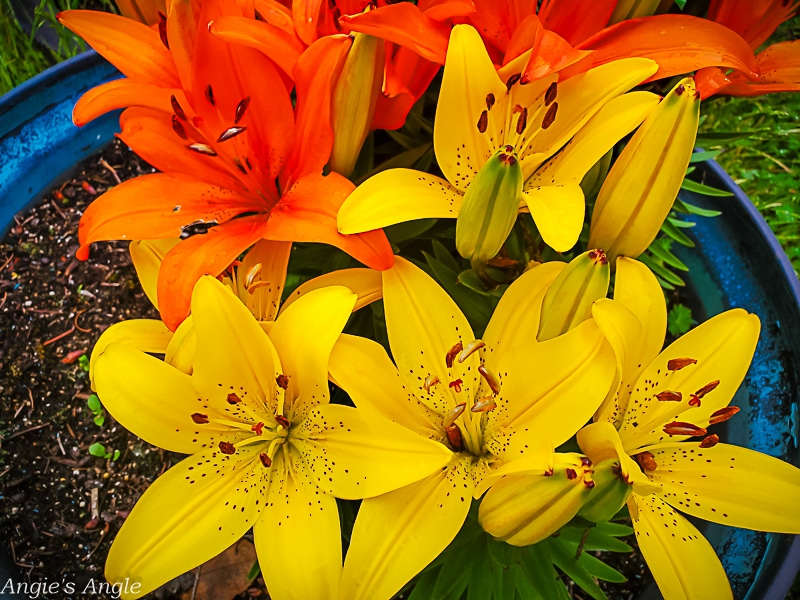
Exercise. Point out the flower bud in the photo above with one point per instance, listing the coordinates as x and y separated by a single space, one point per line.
490 206
639 191
568 302
525 509
610 492
354 98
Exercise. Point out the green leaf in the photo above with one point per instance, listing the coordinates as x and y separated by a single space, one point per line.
408 230
679 320
706 190
406 159
97 449
539 573
671 228
254 571
661 271
83 362
475 308
721 137
704 156
99 420
93 402
423 587
659 249
444 256
116 456
564 559
470 280
680 4
600 570
691 209
453 576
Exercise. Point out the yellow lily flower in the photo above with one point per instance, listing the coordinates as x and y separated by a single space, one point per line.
650 430
485 116
268 450
487 402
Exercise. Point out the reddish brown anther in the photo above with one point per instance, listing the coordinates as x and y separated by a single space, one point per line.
162 29
676 364
512 80
233 398
571 474
265 460
454 437
522 121
282 381
200 418
668 396
550 94
178 127
710 441
202 149
230 132
209 92
456 385
227 448
258 428
176 108
723 414
681 428
282 421
647 461
483 121
694 401
709 387
241 108
451 354
550 115
489 101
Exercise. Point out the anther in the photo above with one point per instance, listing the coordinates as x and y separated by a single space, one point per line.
709 387
676 364
484 405
451 354
491 379
681 428
723 414
550 115
512 80
571 474
209 92
227 448
668 396
694 401
258 428
483 121
282 421
239 165
456 385
598 256
710 441
162 29
586 461
233 398
454 437
679 90
453 414
489 101
176 108
522 121
470 349
282 381
265 460
200 418
647 461
429 382
550 94
230 132
252 274
202 149
178 128
241 108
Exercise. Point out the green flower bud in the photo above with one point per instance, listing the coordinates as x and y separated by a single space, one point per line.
490 206
568 302
610 492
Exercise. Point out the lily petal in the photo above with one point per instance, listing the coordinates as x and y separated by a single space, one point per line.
185 518
558 212
356 454
119 93
682 561
729 485
365 283
398 534
147 256
299 521
304 336
147 335
262 295
182 347
424 325
395 196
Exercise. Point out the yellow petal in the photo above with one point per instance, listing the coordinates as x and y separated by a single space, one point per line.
616 119
398 534
558 213
183 347
298 541
395 196
147 335
357 455
550 389
424 325
147 256
723 347
154 400
362 368
304 336
233 353
187 516
461 134
682 561
516 319
729 485
365 283
263 300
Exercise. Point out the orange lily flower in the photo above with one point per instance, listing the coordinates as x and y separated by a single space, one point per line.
777 67
239 163
144 11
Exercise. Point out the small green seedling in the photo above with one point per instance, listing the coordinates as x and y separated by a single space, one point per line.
97 409
97 449
83 362
679 320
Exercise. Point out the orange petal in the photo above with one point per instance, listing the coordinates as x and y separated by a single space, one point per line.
134 48
678 43
405 25
120 93
754 21
549 52
182 32
497 22
407 77
559 16
200 255
306 19
443 10
307 213
157 206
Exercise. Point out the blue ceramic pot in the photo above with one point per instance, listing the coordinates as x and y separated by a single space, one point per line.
737 262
